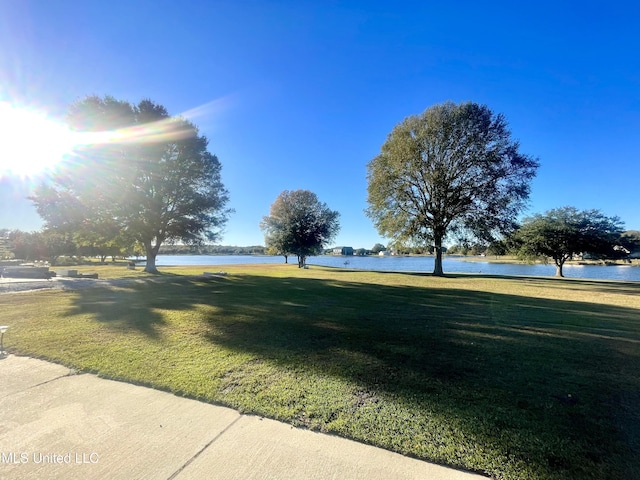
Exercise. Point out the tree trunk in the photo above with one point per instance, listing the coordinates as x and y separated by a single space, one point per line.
286 259
559 269
301 261
437 266
151 253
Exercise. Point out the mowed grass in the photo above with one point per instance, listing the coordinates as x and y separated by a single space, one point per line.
519 378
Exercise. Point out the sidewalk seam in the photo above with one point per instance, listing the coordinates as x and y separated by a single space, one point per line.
188 462
70 374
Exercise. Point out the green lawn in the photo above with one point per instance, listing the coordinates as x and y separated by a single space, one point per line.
525 378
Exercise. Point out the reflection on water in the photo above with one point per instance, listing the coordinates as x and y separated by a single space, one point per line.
417 264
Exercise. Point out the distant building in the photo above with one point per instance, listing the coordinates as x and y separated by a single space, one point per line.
343 251
384 253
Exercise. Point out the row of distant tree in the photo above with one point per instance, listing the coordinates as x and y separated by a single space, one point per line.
50 246
211 250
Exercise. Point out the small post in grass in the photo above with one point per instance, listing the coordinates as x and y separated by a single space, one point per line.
3 329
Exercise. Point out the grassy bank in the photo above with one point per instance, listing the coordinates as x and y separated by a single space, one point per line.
524 378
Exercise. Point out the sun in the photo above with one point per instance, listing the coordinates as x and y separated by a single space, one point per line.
31 142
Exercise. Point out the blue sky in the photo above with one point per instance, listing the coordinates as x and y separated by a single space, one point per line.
301 95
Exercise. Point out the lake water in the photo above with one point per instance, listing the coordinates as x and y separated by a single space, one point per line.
416 264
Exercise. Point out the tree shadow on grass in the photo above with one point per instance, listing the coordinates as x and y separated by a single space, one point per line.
580 284
547 386
136 304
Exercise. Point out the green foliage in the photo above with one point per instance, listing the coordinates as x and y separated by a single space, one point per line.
57 244
6 248
377 248
498 248
467 249
211 250
299 224
630 241
454 167
564 232
47 245
141 173
103 240
26 245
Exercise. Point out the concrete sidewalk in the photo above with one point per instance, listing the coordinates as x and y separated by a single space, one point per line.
54 424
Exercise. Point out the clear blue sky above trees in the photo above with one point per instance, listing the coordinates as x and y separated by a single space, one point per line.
301 95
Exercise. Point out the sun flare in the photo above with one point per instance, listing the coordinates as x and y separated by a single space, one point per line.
32 143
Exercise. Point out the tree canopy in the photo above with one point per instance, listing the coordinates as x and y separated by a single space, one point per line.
43 245
137 170
299 224
564 232
630 241
377 248
453 167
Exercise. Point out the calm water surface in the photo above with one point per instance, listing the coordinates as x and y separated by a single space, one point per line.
416 264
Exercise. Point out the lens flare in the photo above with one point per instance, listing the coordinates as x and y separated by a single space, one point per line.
31 142
34 144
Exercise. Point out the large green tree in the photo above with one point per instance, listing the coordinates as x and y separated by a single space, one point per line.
564 232
453 167
140 169
299 224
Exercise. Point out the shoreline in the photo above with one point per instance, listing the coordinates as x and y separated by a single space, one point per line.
515 261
